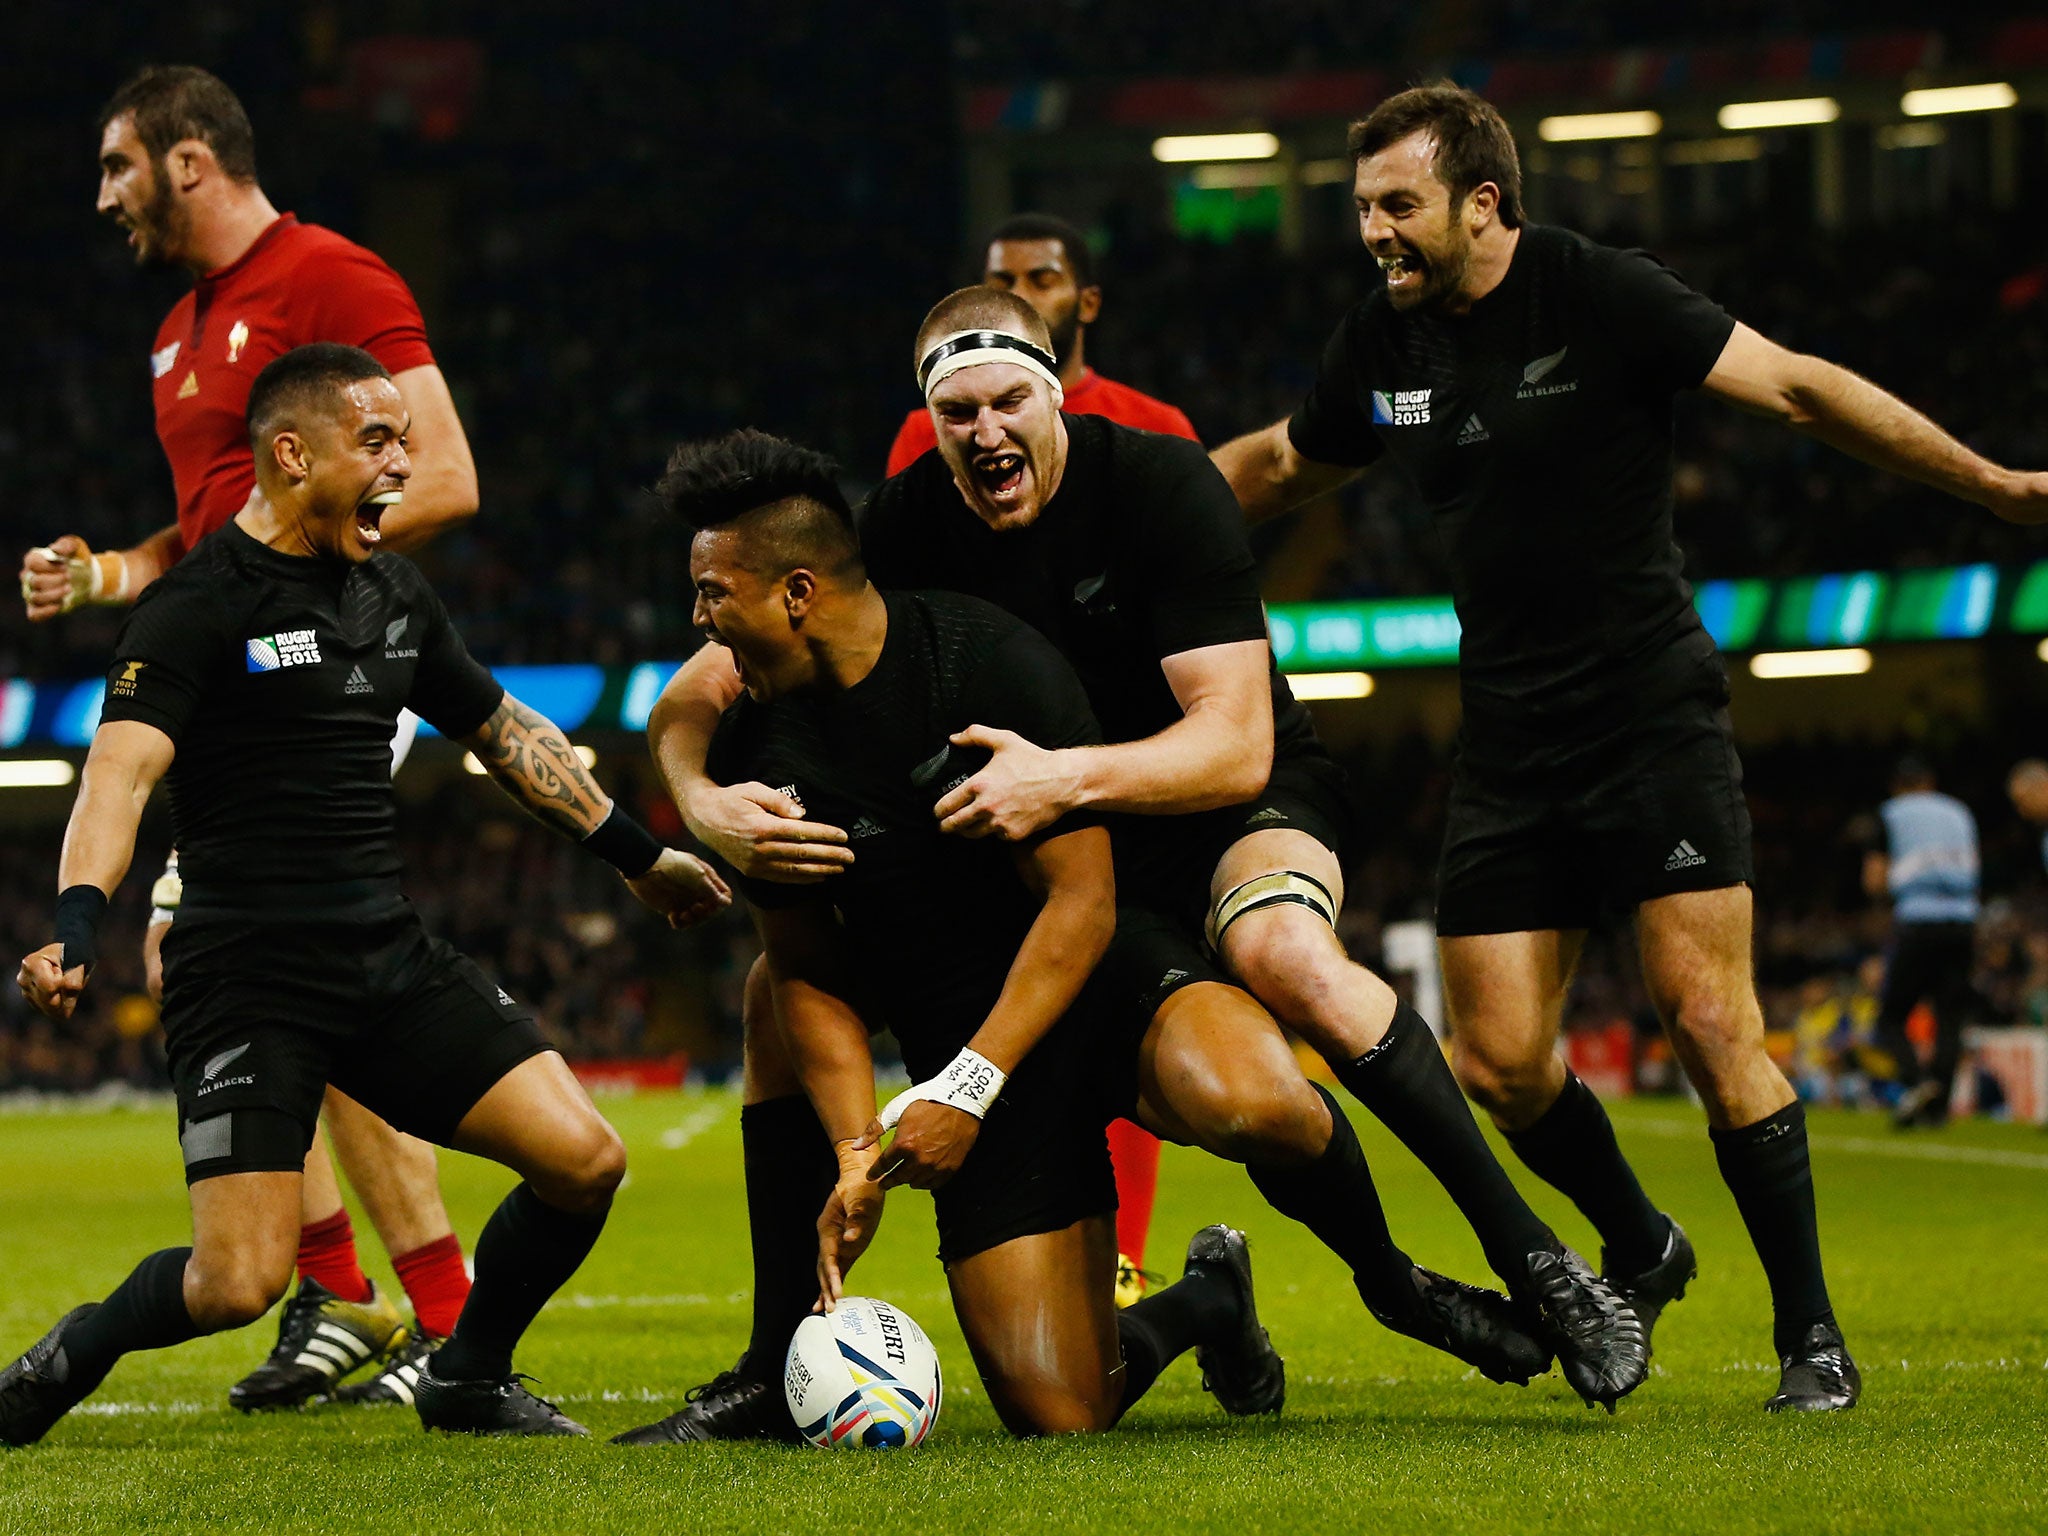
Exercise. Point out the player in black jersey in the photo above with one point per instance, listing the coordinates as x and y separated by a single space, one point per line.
1522 377
261 680
1126 550
977 955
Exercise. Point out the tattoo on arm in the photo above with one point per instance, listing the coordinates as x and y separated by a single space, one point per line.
530 756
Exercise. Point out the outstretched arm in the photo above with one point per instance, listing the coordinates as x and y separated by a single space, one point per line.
126 760
1220 752
828 1044
1268 476
1847 411
531 758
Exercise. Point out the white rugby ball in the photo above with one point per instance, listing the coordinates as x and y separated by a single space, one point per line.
862 1376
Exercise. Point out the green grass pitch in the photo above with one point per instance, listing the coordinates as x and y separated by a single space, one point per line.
1936 1247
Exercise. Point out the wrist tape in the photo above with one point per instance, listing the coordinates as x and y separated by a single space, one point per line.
970 1082
624 844
79 910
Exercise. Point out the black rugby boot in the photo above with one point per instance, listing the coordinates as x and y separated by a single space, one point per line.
1599 1341
733 1405
501 1407
1480 1327
36 1390
1819 1377
1648 1292
1245 1372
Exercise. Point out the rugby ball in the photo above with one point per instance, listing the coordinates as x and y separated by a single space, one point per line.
862 1377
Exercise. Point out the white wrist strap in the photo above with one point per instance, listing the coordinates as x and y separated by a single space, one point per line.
970 1082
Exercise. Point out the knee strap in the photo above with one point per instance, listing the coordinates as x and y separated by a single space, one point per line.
1284 887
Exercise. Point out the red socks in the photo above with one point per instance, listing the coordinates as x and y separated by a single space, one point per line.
436 1282
1134 1154
327 1253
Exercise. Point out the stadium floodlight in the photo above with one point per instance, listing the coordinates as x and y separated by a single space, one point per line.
1599 125
35 773
1802 112
1994 96
1851 661
1330 685
1177 148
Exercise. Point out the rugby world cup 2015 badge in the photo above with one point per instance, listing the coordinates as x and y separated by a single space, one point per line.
1400 407
286 648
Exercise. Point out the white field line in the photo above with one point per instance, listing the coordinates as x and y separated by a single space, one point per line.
114 1410
693 1126
1871 1146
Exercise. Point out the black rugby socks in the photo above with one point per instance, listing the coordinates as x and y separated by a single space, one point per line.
1167 1324
146 1311
791 1170
1405 1081
1335 1198
1768 1170
1572 1148
527 1252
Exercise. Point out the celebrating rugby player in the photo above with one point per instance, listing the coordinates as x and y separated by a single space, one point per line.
978 955
1047 262
178 173
1126 550
1522 377
262 678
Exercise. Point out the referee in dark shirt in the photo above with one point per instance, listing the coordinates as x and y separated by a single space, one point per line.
261 678
1522 378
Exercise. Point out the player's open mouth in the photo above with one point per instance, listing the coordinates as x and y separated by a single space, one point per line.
1401 267
1000 474
371 513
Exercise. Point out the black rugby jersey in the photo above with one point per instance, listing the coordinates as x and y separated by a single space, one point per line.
280 678
1139 555
1538 430
933 921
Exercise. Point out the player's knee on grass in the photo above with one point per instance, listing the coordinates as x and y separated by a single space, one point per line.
1035 1406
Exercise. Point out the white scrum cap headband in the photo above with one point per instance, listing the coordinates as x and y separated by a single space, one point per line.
969 349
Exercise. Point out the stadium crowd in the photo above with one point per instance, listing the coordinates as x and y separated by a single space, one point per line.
578 357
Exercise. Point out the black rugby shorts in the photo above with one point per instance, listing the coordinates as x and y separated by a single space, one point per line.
260 1017
1041 1162
1653 809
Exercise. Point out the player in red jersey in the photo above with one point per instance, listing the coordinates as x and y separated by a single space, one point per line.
1045 261
178 173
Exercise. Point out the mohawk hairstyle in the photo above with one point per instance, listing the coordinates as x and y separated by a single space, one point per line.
803 517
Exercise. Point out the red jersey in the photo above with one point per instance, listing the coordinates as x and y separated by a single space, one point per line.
298 283
1093 396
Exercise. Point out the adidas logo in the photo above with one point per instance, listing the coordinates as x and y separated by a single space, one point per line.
1172 976
1270 814
505 999
1473 432
1685 856
357 683
866 826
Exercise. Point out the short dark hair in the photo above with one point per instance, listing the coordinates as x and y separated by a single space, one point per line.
803 516
980 308
305 376
174 102
1473 141
1050 226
